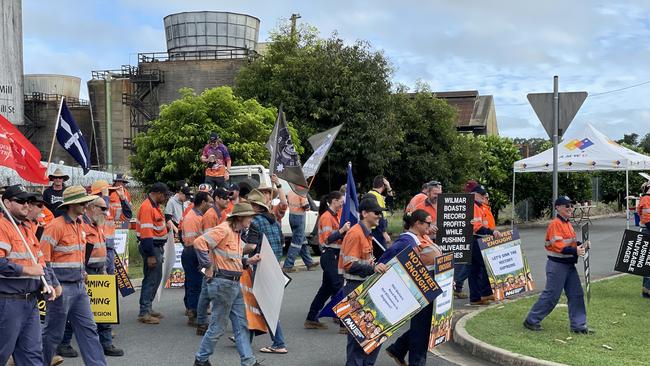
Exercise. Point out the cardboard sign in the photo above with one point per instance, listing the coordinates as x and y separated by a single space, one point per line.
633 254
123 282
443 306
122 246
455 234
177 275
102 290
384 302
506 265
585 238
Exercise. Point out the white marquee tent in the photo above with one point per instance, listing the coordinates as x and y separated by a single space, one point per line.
584 150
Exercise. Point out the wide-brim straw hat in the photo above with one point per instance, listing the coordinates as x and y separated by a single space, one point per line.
242 209
58 174
100 185
264 188
257 198
76 195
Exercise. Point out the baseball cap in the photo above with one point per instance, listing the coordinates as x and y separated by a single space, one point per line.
16 191
214 136
186 191
479 189
563 200
370 204
221 193
159 187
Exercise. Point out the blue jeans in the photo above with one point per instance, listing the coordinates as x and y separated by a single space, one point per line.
298 242
73 305
151 280
227 302
204 303
461 273
20 332
193 278
561 276
110 260
479 284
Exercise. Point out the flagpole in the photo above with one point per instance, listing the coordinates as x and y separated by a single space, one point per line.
56 127
22 238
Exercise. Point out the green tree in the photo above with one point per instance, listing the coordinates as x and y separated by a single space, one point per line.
645 144
630 139
171 148
325 82
432 149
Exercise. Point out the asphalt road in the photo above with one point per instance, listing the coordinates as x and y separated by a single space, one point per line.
174 343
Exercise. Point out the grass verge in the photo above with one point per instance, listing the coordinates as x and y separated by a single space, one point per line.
617 313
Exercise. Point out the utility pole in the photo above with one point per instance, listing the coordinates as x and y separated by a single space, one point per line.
294 18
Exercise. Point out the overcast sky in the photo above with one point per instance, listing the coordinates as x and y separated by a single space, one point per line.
504 48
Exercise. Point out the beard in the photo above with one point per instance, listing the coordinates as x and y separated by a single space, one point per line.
99 219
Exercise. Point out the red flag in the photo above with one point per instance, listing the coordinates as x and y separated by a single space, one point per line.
18 137
17 153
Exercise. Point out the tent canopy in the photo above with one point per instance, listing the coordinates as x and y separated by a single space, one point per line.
585 150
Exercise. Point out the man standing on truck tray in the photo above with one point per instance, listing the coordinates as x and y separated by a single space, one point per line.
298 206
217 158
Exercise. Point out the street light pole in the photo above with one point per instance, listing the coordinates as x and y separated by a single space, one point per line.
556 117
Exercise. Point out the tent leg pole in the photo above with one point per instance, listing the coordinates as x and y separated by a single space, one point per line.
514 177
627 200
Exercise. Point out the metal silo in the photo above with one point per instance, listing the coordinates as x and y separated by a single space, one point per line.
211 31
11 62
65 85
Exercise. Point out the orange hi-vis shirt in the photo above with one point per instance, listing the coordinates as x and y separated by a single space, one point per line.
229 209
487 211
14 250
187 210
64 246
479 219
296 203
430 208
151 222
95 235
213 217
192 227
561 244
644 209
225 250
115 206
328 224
356 249
415 201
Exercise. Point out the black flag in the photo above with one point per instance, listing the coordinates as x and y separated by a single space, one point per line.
285 162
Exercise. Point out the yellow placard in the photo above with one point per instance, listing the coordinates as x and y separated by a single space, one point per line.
102 290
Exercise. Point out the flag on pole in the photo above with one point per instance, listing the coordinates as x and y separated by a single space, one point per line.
17 153
350 211
71 139
321 143
285 162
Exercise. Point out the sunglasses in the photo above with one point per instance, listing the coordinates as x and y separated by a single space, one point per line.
102 208
429 223
568 206
37 204
378 213
19 201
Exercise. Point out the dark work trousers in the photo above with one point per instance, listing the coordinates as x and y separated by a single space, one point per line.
193 278
20 332
332 282
356 356
215 182
479 284
415 341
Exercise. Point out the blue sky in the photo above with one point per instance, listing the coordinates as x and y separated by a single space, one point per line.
504 48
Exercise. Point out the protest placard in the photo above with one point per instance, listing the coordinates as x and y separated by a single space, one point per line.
102 290
384 302
633 255
455 234
585 238
269 284
176 277
443 306
123 282
122 246
506 265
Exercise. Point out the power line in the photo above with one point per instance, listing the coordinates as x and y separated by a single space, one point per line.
590 95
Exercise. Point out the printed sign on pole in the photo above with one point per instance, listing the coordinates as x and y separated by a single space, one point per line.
443 307
455 234
633 256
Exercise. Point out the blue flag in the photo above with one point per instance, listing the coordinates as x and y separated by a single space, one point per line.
71 139
350 211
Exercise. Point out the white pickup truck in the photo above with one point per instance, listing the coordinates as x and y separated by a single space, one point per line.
261 175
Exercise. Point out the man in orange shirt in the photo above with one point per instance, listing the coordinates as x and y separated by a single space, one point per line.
216 212
563 251
298 207
356 263
151 231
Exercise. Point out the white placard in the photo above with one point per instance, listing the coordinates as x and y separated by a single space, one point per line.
268 285
121 239
505 260
444 301
392 297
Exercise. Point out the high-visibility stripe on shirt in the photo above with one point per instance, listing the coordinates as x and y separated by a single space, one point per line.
225 248
95 236
296 203
151 222
63 244
643 208
559 235
192 227
328 223
356 247
13 249
212 218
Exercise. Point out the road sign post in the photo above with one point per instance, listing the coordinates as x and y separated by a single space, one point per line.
556 111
